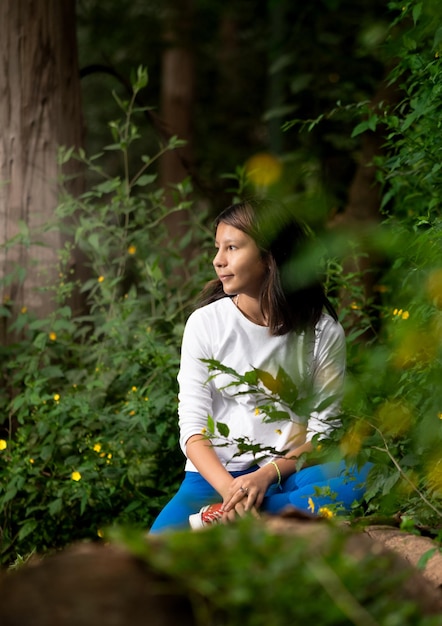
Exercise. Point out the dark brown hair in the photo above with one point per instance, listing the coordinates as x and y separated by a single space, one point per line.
290 299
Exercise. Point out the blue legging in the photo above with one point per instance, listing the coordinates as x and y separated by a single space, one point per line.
326 484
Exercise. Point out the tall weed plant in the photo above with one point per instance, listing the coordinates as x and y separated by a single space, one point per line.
393 406
405 396
90 400
392 412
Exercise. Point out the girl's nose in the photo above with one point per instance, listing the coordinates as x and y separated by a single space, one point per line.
218 260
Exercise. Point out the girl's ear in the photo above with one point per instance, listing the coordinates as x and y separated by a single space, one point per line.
267 258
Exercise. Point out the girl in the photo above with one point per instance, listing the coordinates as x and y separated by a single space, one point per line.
259 313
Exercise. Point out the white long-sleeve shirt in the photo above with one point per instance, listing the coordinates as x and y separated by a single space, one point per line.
221 332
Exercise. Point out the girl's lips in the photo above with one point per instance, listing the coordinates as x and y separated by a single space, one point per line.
223 277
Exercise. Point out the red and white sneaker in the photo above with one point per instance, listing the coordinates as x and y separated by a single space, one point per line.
210 514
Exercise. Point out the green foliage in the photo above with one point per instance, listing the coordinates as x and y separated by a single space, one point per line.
91 396
91 399
398 390
245 574
393 402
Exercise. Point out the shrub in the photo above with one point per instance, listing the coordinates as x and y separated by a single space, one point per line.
92 435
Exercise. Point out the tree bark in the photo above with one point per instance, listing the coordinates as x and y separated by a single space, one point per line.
177 97
40 110
361 213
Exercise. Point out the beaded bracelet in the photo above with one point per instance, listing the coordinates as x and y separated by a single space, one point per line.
278 471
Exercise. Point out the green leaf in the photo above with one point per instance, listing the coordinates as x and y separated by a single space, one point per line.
417 10
423 560
55 506
360 128
210 424
288 391
84 501
146 179
133 506
250 378
223 429
108 186
268 380
437 38
11 492
27 529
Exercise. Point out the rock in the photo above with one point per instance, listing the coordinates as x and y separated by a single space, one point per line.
90 584
403 549
412 548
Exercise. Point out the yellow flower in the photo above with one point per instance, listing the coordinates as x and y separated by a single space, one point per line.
351 442
395 418
76 476
311 505
440 416
146 399
100 533
203 431
355 306
434 475
380 288
52 336
56 397
31 461
102 455
434 287
256 411
100 279
263 169
134 388
325 512
97 447
24 309
3 444
131 249
109 456
278 431
405 315
132 412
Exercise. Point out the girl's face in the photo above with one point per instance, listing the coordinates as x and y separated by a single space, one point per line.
238 262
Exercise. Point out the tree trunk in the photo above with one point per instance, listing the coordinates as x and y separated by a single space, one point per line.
177 97
361 213
40 110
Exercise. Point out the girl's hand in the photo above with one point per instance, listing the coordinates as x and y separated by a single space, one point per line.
247 492
238 510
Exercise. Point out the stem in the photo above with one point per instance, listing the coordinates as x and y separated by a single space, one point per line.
402 473
340 595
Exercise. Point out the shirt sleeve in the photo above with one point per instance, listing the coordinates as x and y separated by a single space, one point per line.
328 373
194 397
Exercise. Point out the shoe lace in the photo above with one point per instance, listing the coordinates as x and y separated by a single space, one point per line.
211 516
